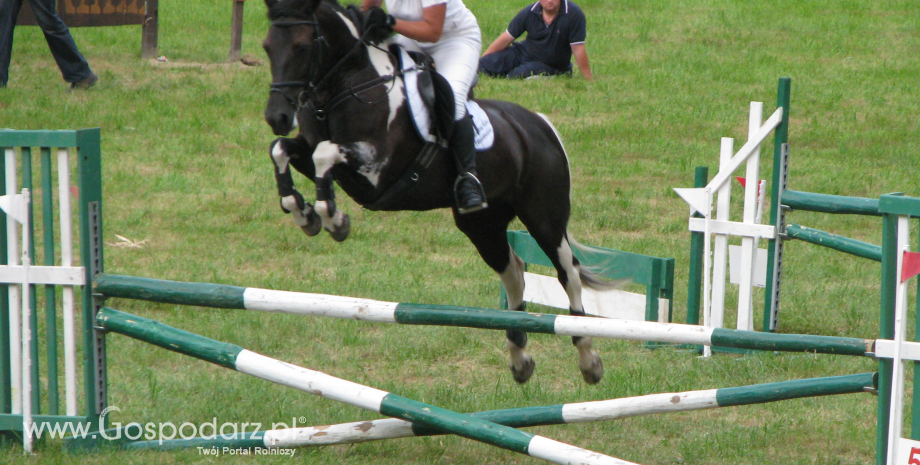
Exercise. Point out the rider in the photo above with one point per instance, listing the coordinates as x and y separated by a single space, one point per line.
448 32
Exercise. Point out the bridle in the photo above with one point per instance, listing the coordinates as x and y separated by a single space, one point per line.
314 85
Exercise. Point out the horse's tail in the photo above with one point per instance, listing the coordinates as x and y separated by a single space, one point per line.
589 274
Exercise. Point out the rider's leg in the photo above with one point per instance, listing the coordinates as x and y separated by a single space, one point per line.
457 59
468 190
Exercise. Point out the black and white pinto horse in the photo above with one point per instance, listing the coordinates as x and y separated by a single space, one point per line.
354 128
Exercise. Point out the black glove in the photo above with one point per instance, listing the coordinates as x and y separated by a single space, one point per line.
378 25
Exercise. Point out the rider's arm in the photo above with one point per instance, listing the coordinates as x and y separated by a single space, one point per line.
368 4
429 29
581 59
500 43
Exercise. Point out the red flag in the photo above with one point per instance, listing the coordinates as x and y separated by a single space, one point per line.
910 265
743 181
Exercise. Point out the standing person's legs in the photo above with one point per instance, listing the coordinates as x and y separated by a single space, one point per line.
73 66
9 10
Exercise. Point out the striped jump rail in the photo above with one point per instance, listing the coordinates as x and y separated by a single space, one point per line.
234 297
317 383
583 412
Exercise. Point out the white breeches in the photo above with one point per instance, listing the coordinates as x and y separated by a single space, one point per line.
457 59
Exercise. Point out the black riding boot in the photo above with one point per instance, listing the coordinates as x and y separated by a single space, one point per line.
468 191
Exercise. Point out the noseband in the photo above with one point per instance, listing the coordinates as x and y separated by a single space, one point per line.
315 84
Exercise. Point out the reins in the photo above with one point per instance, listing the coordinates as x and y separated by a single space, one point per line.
311 87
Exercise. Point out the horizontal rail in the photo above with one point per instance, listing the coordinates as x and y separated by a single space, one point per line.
318 383
825 203
833 241
582 412
220 296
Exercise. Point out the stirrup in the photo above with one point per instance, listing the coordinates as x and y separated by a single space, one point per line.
477 189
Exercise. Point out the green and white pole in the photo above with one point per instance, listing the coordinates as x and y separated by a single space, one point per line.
604 410
223 296
330 387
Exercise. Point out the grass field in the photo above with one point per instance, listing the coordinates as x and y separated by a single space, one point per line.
186 171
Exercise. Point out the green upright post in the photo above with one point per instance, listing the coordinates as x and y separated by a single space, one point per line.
886 331
50 299
6 392
774 250
695 279
89 169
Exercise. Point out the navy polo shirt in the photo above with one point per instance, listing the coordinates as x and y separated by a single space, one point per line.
550 44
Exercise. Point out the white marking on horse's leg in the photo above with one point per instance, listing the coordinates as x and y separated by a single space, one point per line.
351 25
325 157
572 275
513 280
590 364
280 157
289 202
512 277
384 66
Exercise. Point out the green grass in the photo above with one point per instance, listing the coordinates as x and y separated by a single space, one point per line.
186 168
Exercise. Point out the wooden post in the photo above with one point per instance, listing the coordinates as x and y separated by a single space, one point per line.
150 30
236 31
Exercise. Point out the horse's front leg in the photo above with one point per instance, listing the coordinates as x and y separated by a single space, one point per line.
327 155
303 214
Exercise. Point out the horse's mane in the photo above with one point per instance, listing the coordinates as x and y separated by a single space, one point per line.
297 9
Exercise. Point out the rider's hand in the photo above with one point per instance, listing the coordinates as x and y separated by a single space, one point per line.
378 24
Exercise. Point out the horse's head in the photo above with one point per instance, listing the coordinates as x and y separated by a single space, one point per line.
305 43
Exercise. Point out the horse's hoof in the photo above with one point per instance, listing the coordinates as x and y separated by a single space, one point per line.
314 224
522 374
341 232
592 370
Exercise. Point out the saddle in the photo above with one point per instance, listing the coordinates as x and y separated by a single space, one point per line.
431 101
431 106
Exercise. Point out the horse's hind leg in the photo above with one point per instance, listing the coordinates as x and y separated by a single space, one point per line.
557 248
486 231
590 364
512 277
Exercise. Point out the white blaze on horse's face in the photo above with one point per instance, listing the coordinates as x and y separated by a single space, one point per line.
384 66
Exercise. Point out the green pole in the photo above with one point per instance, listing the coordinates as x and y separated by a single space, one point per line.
6 392
695 279
89 182
774 250
886 331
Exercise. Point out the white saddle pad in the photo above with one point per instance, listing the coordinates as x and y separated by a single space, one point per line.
485 136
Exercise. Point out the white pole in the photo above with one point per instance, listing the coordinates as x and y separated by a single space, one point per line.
896 415
749 244
26 333
70 344
720 254
707 269
12 249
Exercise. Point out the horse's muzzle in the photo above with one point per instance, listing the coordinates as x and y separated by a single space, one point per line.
280 116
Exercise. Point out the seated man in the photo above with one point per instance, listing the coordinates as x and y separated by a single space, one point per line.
555 31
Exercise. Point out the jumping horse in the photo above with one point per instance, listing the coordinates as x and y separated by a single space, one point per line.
344 92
